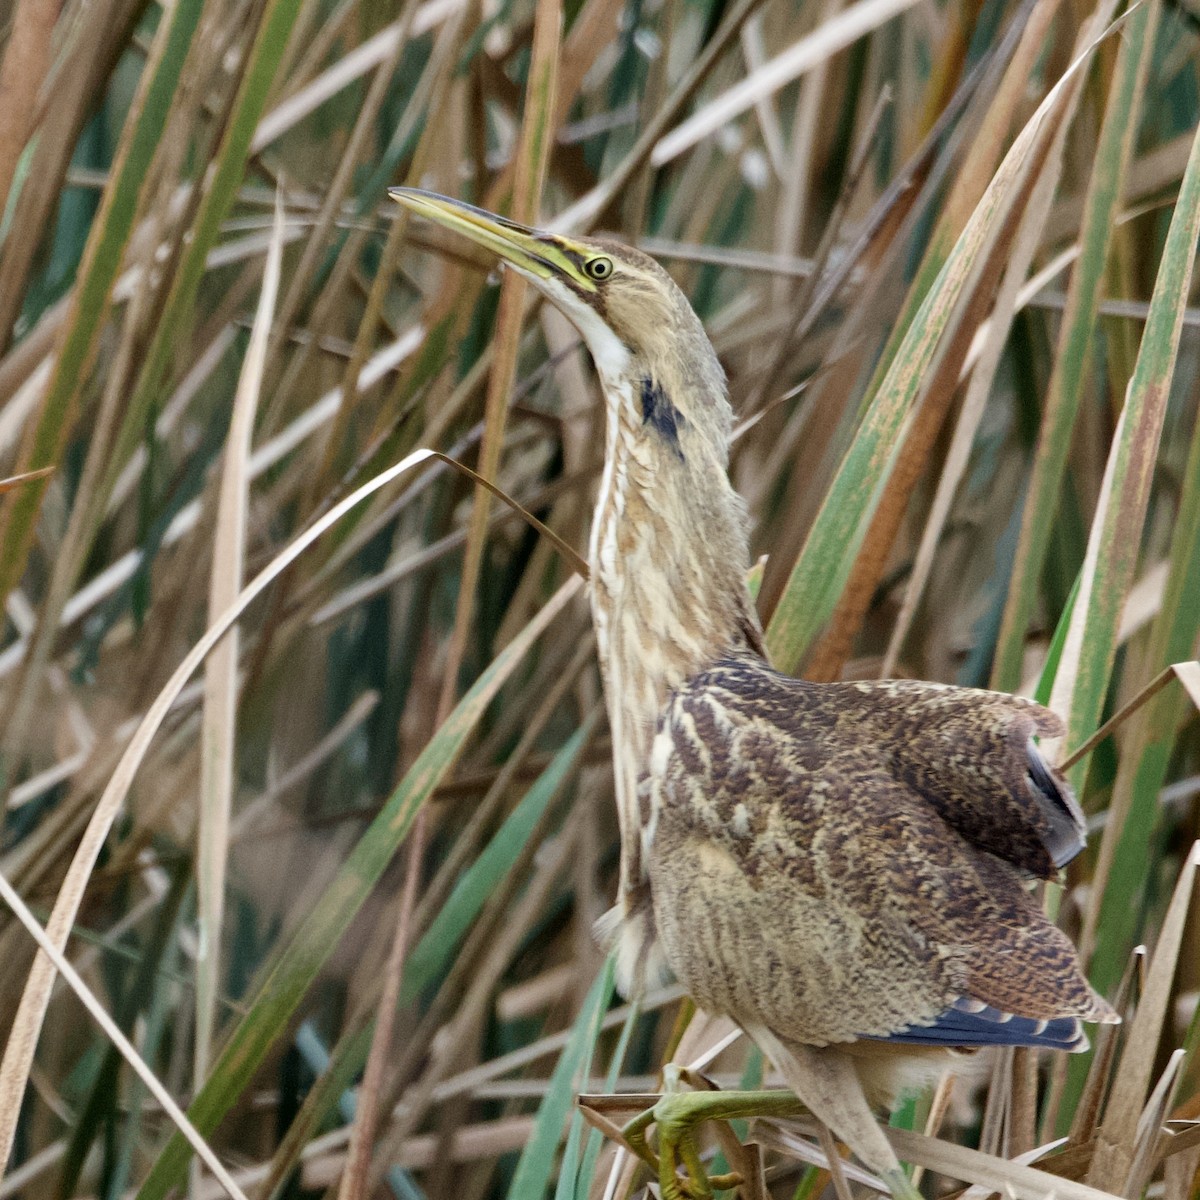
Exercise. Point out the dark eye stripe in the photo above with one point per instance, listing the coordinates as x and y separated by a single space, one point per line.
574 256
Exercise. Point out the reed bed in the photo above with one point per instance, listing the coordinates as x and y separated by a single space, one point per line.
306 771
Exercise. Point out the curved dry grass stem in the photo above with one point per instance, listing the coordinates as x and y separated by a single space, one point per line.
54 955
1188 676
219 720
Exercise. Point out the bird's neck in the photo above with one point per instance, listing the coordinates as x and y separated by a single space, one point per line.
669 555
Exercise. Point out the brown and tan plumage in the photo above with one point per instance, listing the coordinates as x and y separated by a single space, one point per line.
841 868
856 833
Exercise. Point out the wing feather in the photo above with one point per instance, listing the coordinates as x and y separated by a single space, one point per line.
969 1023
973 756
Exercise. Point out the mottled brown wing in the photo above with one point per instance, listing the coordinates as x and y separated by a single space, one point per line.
972 755
828 787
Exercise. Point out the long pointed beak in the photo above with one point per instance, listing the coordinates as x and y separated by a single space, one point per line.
522 248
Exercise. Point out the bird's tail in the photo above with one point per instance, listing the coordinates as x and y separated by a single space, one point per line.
826 1081
627 930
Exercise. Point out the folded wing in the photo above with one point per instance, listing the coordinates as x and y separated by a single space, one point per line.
904 820
973 757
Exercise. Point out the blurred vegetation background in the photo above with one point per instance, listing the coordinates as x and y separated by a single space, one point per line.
949 275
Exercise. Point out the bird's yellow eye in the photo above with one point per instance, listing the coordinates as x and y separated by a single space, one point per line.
598 268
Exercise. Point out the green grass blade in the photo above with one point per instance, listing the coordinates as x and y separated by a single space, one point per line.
1045 683
568 1170
535 1168
1069 378
1116 536
1120 878
430 955
591 1155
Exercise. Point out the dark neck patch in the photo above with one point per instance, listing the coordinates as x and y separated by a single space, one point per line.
661 414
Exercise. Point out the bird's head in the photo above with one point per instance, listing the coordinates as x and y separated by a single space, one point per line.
638 325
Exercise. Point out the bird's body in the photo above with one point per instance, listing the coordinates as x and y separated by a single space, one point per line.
841 868
845 826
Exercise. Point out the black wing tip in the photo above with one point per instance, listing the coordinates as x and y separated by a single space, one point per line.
1068 828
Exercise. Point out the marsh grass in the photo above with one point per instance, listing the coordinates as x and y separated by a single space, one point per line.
945 252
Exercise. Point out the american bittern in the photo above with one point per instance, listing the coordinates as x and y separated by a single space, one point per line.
840 868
